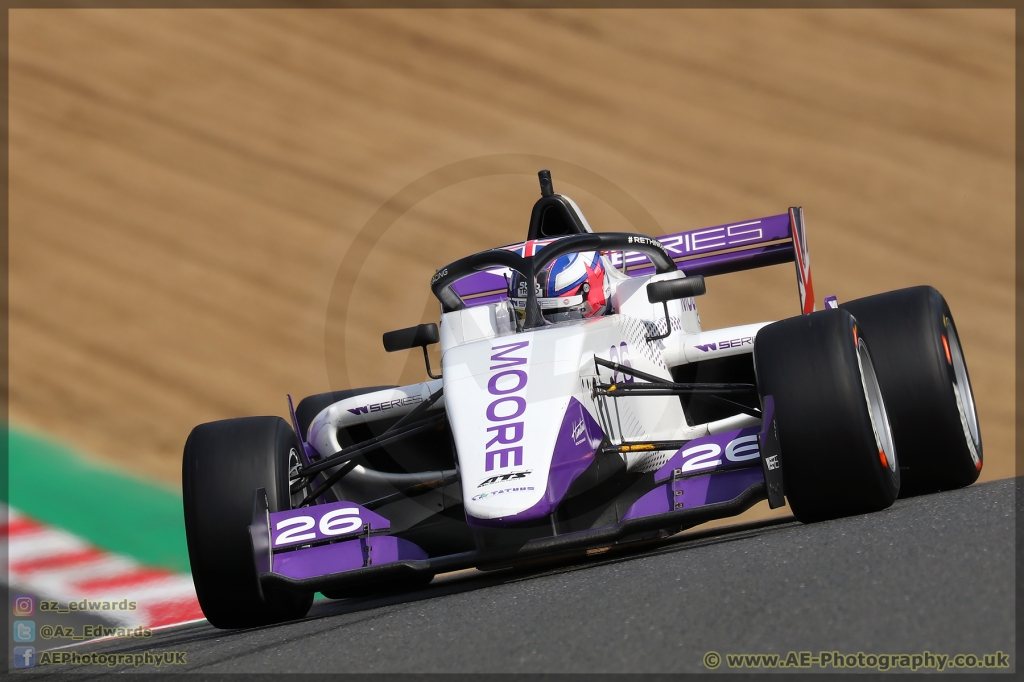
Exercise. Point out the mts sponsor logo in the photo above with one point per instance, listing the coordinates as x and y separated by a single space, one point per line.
501 478
505 411
385 405
722 345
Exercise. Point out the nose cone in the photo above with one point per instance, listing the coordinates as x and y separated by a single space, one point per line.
521 435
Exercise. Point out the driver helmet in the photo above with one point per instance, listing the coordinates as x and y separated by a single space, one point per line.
571 287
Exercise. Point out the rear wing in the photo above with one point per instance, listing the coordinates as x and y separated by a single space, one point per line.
708 251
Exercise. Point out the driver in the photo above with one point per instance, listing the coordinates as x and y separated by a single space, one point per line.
572 287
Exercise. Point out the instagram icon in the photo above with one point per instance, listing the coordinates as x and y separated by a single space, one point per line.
24 605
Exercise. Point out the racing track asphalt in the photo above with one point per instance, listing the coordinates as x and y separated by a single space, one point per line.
932 573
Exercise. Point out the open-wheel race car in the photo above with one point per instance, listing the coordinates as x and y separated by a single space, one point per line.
580 407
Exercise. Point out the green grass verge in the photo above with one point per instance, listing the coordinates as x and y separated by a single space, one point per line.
110 509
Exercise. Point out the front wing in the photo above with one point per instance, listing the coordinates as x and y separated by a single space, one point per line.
343 548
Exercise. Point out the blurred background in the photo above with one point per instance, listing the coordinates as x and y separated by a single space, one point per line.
184 185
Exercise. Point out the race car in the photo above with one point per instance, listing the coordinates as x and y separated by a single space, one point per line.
580 407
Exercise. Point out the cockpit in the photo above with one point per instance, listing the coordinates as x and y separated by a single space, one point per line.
560 273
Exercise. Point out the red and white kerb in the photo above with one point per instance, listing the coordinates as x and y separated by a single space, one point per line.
60 566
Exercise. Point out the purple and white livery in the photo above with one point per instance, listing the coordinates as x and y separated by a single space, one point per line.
554 434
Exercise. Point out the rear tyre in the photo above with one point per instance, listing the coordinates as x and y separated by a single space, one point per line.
223 463
923 375
837 452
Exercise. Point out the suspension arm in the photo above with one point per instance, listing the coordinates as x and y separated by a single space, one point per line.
672 389
412 430
371 444
616 367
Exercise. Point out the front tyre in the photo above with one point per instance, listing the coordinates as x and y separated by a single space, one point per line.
223 463
923 375
837 450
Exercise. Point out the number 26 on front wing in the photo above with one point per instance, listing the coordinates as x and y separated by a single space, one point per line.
337 522
707 455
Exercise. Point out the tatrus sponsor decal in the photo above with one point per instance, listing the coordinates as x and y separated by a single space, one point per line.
503 491
508 407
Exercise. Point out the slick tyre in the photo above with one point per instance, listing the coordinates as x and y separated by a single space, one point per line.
921 369
223 463
836 445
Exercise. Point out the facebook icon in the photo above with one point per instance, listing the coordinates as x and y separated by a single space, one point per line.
24 656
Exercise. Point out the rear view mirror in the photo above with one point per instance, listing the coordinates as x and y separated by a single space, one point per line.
411 337
422 335
670 290
673 289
